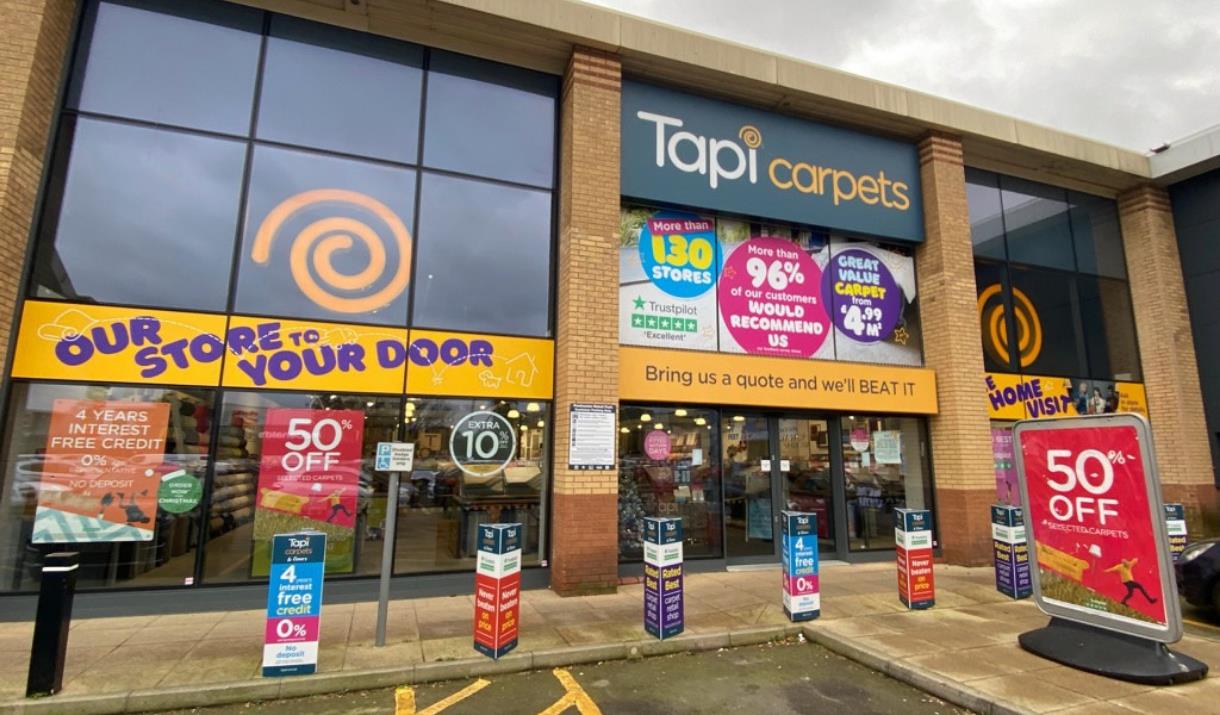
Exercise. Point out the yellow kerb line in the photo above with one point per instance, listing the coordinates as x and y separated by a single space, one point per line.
404 699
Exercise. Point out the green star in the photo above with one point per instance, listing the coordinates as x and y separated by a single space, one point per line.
639 303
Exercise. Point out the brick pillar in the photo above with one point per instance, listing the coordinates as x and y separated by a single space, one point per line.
584 505
1167 350
964 474
33 46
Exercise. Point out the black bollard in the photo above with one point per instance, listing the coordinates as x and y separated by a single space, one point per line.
50 648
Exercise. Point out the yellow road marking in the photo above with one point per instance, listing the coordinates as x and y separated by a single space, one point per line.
573 695
404 699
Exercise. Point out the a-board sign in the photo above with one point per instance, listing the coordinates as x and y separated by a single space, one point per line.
799 564
1011 551
394 457
497 586
1175 525
913 552
1096 524
294 604
664 604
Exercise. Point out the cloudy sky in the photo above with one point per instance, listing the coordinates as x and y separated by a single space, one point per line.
1138 74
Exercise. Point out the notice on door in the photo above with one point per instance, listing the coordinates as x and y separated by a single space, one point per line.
101 472
591 436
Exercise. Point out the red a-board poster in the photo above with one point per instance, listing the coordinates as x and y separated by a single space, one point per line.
1095 530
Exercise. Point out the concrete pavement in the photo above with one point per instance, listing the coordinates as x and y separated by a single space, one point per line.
964 650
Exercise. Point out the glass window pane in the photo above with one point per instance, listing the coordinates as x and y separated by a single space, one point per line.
1036 218
1095 230
1109 329
333 89
490 119
675 477
993 317
446 497
326 238
147 217
986 216
54 452
1055 343
264 486
484 257
190 64
880 479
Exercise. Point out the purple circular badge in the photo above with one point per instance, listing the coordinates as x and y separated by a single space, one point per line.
867 302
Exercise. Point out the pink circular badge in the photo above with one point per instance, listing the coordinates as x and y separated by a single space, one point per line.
771 299
656 445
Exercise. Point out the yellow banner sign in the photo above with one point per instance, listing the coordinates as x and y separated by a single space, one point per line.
1016 397
652 375
457 364
296 355
61 341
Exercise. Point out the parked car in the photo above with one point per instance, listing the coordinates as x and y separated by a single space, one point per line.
1198 573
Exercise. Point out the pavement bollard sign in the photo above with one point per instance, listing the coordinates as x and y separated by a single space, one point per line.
913 539
497 589
799 557
1175 526
1011 551
663 600
294 604
52 622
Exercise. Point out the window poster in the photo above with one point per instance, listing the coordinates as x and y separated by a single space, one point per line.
308 480
101 472
871 292
669 263
699 282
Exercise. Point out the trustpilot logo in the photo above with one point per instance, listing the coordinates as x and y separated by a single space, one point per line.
724 161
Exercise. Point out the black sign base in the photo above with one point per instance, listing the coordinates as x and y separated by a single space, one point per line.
1114 655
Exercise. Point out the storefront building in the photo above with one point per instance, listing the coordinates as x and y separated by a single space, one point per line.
246 242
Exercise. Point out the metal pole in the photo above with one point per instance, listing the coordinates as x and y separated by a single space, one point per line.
387 557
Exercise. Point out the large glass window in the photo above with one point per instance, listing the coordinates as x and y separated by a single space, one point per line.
349 92
293 461
1053 300
115 473
886 468
487 270
187 64
311 251
490 120
145 217
316 131
669 465
476 462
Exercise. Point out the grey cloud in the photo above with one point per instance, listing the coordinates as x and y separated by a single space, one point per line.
1132 73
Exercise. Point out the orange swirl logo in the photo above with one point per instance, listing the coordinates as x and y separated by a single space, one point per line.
750 136
995 327
313 250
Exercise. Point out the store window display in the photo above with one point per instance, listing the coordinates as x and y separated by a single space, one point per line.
885 466
476 462
292 461
669 465
122 465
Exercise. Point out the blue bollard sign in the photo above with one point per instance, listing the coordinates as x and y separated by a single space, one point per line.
663 601
913 548
1011 551
799 557
294 604
1175 527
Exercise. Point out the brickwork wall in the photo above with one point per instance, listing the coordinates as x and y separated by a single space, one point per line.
584 511
1167 351
963 470
33 45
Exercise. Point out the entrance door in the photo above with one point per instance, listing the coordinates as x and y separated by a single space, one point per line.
804 481
772 463
748 467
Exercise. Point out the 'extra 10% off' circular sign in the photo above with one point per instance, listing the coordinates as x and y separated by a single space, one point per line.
482 443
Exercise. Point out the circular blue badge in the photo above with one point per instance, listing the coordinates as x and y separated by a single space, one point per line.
679 253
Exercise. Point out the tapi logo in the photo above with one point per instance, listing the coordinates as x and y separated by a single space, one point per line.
995 327
316 245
